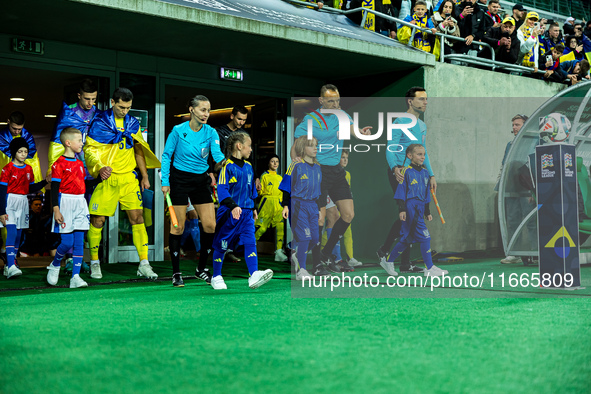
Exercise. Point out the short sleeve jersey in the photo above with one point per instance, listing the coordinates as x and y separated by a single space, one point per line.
325 128
70 173
17 178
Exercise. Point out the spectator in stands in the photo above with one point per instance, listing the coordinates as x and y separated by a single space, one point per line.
469 15
529 41
583 39
587 30
575 47
575 70
445 23
554 72
519 14
553 37
504 41
490 19
420 19
569 26
383 26
329 3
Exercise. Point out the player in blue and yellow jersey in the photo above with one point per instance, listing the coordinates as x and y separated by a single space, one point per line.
416 100
236 214
325 128
79 116
270 206
413 197
301 188
114 148
15 129
185 176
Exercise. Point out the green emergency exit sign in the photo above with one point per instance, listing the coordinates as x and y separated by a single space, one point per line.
24 45
231 74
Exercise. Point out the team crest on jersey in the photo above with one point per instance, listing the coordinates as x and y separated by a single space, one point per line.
249 178
63 225
204 152
28 176
94 207
224 245
426 233
307 232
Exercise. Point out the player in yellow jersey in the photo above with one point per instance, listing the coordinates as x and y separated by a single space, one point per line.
114 148
270 210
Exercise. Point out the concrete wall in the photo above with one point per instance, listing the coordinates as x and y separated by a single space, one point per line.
469 122
469 125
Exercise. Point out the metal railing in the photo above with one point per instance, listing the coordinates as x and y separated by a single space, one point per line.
492 63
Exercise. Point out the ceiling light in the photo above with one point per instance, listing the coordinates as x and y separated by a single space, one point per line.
51 116
214 111
3 123
17 99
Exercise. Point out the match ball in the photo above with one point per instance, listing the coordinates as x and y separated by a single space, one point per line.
554 127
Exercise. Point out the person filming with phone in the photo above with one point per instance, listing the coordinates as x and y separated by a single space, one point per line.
504 41
445 23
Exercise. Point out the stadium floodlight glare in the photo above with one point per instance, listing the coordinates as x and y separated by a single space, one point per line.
17 99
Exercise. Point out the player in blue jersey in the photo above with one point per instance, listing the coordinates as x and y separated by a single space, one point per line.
325 128
301 188
78 116
416 99
185 176
413 197
236 214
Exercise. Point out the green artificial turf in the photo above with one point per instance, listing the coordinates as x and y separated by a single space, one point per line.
140 336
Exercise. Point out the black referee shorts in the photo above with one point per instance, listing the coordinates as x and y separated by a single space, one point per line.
334 184
185 185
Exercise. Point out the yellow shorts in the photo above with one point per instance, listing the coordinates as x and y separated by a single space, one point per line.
122 188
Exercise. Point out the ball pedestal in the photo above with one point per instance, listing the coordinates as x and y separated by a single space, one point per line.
558 225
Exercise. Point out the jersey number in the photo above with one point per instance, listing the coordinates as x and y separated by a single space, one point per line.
122 145
139 196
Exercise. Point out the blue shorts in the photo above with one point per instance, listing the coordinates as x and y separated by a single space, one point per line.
304 220
414 228
230 232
